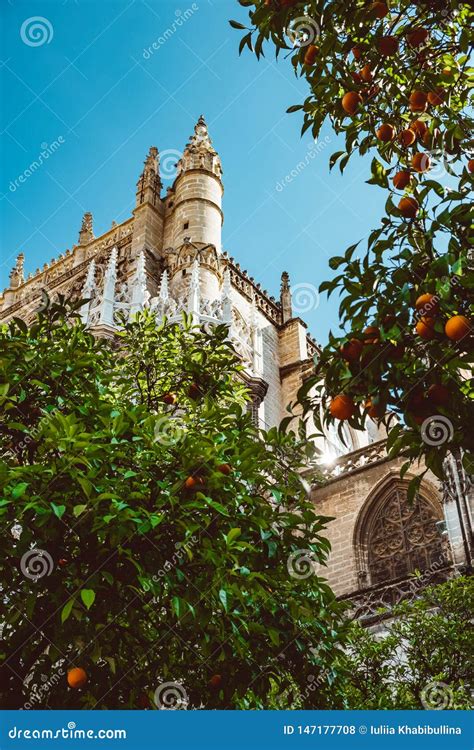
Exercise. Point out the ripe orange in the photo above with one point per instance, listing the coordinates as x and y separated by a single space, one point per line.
192 481
418 101
351 350
470 166
421 162
386 133
388 45
374 410
371 335
408 207
366 74
169 398
427 304
436 97
225 469
342 407
439 394
417 37
77 677
215 681
419 127
351 102
407 137
425 328
378 10
457 327
401 180
356 76
311 54
357 52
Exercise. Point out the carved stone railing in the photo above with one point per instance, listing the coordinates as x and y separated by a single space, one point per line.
355 460
377 602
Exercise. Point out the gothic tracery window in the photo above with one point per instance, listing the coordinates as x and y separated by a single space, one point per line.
403 537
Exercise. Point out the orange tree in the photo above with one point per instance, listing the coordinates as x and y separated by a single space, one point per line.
156 548
392 78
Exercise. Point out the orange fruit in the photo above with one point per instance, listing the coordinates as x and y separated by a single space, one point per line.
419 127
194 391
225 469
371 335
457 327
401 180
418 101
386 133
169 398
374 410
439 394
342 407
378 10
436 97
357 52
408 207
417 37
388 45
76 677
421 162
351 102
356 76
427 304
215 681
470 166
311 54
407 137
351 350
191 482
366 74
425 328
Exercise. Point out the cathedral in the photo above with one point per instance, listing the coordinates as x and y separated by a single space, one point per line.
168 256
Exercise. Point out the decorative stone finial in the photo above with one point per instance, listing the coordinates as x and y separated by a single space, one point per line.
86 234
199 152
149 183
285 297
17 274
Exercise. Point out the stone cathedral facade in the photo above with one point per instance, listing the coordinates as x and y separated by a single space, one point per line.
168 256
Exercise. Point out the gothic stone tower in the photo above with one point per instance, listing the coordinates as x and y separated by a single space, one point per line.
168 256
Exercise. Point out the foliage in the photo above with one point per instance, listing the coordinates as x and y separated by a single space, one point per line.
423 660
424 244
147 524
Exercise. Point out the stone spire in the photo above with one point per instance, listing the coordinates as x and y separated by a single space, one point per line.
17 274
108 293
87 292
199 152
87 233
149 183
285 297
164 293
139 286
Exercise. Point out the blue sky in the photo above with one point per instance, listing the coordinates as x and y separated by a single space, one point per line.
95 90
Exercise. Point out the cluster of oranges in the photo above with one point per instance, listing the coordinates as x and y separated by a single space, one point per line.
456 328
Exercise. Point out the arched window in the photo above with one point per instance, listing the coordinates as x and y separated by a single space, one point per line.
398 537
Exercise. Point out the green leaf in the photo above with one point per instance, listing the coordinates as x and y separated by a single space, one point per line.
237 25
78 509
66 610
233 534
223 598
58 510
19 490
88 597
